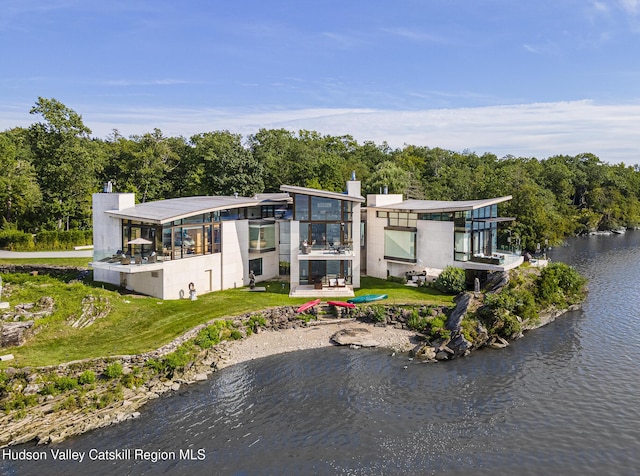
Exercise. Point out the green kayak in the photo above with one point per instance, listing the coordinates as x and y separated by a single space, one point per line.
367 298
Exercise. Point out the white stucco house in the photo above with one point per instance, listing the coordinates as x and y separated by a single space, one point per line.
321 241
424 236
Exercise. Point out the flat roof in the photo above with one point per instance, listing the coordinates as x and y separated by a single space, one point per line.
321 193
439 206
164 211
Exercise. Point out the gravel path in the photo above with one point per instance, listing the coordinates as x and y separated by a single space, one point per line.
267 343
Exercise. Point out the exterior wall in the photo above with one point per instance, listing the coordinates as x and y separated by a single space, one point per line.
149 283
383 200
202 271
376 264
354 188
235 254
107 231
270 265
435 244
105 276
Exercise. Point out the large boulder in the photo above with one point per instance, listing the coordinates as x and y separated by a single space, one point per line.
358 336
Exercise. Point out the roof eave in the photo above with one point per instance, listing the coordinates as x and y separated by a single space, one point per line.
321 193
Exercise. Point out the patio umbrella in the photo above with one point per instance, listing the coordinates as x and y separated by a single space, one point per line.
141 242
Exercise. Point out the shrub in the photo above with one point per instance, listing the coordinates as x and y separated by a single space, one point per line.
559 284
64 384
131 380
254 322
19 401
215 333
417 322
87 377
69 403
520 302
178 359
16 240
436 324
469 327
452 280
378 313
108 397
61 239
113 370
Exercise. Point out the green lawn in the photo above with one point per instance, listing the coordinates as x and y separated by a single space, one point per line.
79 262
138 323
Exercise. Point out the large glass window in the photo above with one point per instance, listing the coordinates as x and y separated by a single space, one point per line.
233 214
400 245
462 246
191 239
347 210
403 219
325 209
475 233
285 246
262 237
132 230
301 207
320 272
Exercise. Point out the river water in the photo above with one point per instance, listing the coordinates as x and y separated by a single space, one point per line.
565 399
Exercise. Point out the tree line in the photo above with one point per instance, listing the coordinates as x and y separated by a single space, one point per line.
50 169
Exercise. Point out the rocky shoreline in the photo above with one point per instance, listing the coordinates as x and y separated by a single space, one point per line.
283 331
47 423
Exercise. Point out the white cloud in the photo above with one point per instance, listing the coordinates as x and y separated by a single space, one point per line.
630 6
527 130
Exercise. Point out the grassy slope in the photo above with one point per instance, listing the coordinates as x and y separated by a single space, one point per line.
137 324
79 262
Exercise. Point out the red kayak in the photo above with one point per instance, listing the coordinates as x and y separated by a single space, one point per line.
308 305
341 304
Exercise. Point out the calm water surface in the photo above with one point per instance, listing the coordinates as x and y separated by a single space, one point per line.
565 399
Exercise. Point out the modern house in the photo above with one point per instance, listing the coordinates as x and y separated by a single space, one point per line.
169 247
422 237
323 241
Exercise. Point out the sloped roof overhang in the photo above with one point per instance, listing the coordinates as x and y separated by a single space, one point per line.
440 206
165 211
321 193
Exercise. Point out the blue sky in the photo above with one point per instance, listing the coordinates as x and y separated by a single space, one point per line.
528 78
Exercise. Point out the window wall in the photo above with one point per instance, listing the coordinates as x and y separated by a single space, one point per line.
317 271
400 245
192 236
324 222
475 232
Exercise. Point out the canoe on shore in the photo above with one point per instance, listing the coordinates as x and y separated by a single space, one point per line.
341 304
367 298
308 305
